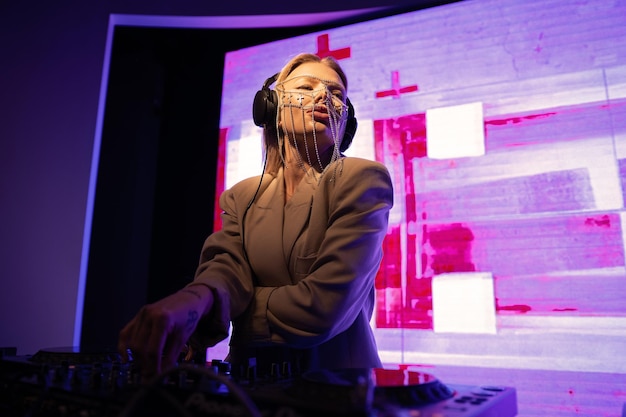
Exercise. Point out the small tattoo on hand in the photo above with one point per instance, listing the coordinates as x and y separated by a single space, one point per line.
192 319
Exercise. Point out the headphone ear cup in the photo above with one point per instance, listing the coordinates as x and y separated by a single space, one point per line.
351 126
264 107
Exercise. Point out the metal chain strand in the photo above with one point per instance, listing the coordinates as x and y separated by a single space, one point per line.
337 115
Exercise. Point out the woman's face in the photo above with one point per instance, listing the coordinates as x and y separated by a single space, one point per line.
312 106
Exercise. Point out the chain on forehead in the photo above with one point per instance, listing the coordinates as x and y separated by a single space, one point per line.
333 103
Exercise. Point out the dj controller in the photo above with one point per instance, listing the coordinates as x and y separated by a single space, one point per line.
70 382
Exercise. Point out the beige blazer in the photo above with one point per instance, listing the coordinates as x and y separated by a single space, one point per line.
306 277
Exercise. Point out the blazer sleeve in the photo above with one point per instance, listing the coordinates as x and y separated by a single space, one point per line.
339 283
224 269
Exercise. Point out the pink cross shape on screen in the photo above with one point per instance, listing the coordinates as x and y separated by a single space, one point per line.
396 89
323 49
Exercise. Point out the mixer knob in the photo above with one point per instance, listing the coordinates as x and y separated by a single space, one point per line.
221 366
251 369
61 374
287 369
275 370
96 376
75 377
116 377
183 380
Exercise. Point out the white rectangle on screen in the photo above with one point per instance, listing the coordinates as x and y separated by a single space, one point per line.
455 131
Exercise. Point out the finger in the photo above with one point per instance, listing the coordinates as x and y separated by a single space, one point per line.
134 337
122 343
157 333
126 338
172 350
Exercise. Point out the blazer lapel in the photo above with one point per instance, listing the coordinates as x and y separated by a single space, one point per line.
297 213
265 231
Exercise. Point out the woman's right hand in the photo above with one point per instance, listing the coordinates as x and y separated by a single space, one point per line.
157 334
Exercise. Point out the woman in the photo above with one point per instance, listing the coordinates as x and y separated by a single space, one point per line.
293 267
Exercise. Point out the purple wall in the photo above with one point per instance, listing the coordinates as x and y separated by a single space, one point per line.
50 75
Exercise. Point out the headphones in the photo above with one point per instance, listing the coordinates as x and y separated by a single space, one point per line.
265 108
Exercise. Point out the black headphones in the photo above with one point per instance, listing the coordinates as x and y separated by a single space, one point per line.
265 107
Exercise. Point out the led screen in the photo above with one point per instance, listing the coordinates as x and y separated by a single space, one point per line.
503 125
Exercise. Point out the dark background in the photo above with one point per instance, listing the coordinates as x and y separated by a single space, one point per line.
155 189
156 181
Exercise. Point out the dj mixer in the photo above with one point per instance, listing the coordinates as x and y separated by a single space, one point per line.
73 382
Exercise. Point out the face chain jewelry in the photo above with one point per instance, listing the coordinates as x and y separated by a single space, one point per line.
305 100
